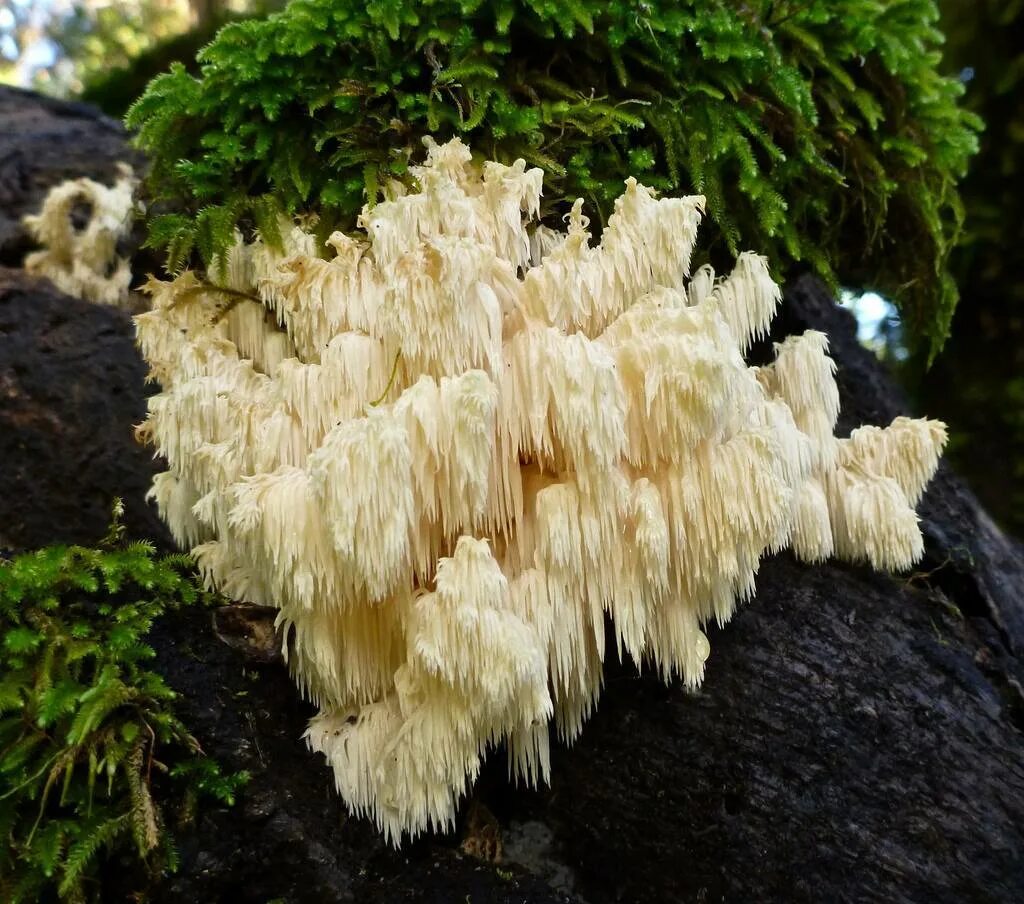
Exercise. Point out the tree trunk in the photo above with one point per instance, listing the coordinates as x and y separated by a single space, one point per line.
203 13
858 737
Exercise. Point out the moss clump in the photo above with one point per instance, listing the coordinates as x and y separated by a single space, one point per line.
92 755
821 132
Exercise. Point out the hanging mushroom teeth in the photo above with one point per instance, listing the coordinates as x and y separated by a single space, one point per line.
459 444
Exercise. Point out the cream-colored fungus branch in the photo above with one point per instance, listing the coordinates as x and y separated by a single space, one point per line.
451 450
83 261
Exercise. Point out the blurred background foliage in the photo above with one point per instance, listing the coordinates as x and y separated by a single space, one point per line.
58 46
106 51
71 48
977 382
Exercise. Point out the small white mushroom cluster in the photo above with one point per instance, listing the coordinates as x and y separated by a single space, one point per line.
83 262
452 451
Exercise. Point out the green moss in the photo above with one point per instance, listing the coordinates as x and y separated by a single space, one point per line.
92 755
820 132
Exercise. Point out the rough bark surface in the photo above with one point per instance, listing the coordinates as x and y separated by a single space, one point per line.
859 737
71 389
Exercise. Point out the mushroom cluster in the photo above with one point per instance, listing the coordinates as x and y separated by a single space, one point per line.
455 450
79 227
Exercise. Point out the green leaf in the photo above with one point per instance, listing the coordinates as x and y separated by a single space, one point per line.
22 640
47 846
95 835
58 701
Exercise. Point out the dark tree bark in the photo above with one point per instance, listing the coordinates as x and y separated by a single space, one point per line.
859 736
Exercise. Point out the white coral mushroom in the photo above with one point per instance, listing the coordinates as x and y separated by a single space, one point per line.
458 445
84 262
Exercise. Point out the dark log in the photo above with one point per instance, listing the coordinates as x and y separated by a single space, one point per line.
71 389
859 736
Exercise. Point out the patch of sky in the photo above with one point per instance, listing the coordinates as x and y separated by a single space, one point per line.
878 323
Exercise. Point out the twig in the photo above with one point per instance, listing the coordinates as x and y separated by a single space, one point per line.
391 380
